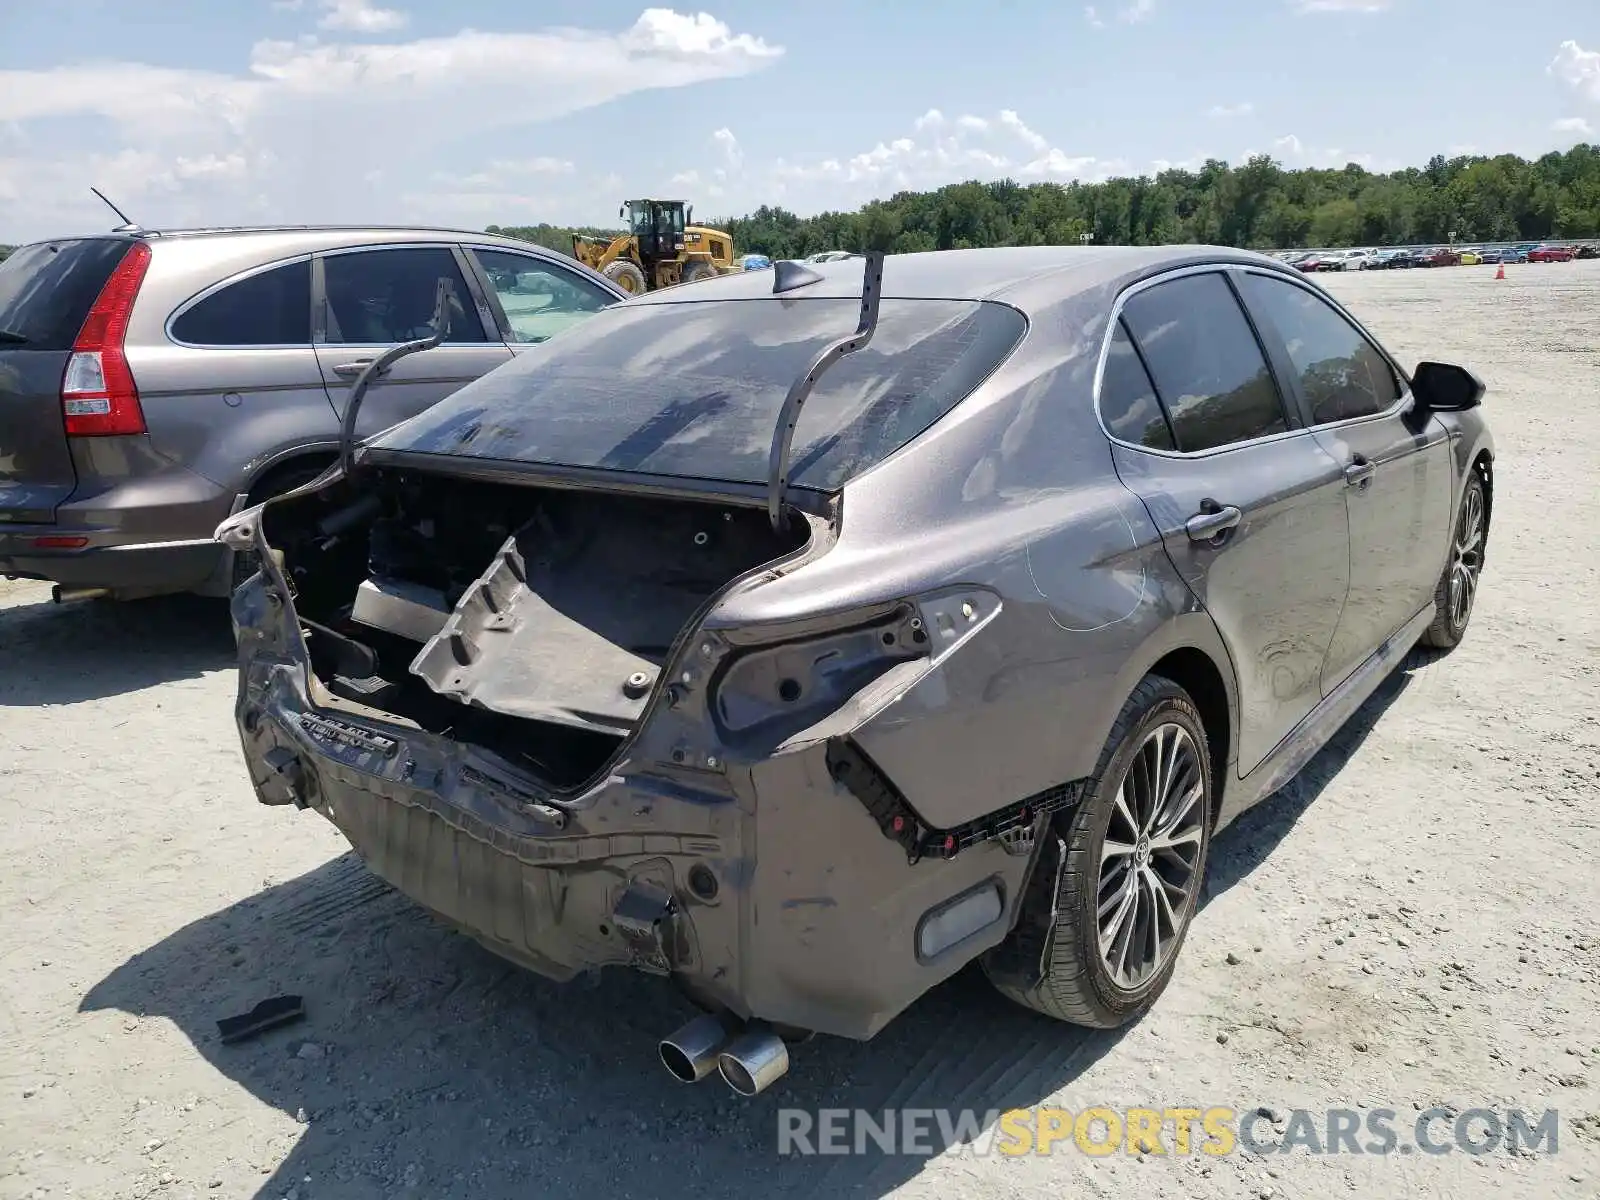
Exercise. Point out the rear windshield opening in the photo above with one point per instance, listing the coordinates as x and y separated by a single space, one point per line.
693 389
47 289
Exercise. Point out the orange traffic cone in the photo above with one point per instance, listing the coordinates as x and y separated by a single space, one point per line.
1501 273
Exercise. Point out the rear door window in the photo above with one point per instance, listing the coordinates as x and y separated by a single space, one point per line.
1207 366
1342 375
47 289
268 308
539 298
1128 402
379 297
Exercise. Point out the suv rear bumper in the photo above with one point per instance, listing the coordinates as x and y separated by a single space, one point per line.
772 894
146 568
126 541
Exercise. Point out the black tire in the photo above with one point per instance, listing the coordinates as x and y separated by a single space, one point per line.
1052 961
274 483
1469 538
697 270
626 275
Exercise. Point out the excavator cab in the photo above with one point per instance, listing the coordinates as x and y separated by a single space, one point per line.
658 227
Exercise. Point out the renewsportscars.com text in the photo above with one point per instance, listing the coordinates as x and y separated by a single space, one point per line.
1181 1131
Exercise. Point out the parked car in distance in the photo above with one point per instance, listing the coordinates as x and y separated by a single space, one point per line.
980 648
1387 260
755 262
1549 253
1440 256
826 256
152 383
1471 257
1588 251
1504 254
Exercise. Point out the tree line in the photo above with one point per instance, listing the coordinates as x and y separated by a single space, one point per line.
1259 205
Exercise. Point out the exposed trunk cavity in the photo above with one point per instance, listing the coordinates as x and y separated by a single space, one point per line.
529 621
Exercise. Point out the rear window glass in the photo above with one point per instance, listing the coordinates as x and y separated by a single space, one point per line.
47 289
694 388
269 308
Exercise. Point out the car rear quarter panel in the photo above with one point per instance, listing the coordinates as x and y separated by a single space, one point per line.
1014 492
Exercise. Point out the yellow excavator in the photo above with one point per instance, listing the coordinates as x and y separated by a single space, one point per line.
660 248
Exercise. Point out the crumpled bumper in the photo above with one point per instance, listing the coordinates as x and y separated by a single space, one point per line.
770 891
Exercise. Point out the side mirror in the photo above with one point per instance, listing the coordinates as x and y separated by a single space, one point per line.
1445 387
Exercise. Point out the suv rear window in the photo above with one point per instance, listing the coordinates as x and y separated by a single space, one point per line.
693 388
47 289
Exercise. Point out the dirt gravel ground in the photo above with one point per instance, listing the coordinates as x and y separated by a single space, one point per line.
1414 921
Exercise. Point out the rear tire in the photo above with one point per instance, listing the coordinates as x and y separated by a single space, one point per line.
1456 594
626 275
275 483
1134 848
697 270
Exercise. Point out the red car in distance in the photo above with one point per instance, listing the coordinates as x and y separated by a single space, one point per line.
1440 257
1552 254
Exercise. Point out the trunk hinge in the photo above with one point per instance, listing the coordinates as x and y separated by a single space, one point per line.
800 390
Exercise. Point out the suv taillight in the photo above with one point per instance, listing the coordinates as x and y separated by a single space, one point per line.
98 396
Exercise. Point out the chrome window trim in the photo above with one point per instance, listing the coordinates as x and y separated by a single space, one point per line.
1220 267
228 281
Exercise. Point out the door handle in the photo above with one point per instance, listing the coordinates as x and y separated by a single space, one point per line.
350 370
1211 522
1358 472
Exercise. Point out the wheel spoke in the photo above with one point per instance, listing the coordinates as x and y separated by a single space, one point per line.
1110 849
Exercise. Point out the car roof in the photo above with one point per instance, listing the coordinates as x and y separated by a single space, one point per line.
1018 275
306 238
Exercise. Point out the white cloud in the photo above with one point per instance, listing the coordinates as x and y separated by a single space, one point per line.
1342 6
1575 125
1014 123
729 145
1136 11
1223 111
1578 67
307 122
939 150
1091 14
360 17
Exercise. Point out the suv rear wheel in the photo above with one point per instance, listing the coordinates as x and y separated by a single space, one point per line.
274 483
1118 879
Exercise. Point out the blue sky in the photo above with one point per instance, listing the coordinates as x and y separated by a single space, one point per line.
478 111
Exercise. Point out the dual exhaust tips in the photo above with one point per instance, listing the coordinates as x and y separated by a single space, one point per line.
750 1059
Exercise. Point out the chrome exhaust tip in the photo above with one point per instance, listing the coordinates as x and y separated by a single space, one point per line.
753 1061
690 1054
65 595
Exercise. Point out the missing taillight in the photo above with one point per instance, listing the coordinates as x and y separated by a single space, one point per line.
98 394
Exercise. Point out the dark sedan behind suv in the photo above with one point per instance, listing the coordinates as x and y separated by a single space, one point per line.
153 383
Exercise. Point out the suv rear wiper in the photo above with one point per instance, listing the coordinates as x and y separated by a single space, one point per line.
8 338
800 390
445 293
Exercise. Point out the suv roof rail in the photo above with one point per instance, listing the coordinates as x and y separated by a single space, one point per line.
201 230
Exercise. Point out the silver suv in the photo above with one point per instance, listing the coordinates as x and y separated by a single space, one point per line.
154 383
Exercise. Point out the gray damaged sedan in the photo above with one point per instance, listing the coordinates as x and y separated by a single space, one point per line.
806 635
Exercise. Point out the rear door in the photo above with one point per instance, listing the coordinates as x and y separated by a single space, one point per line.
235 384
1249 505
1399 479
46 291
531 298
371 298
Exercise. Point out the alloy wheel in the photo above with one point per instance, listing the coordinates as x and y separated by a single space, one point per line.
1466 558
1150 856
